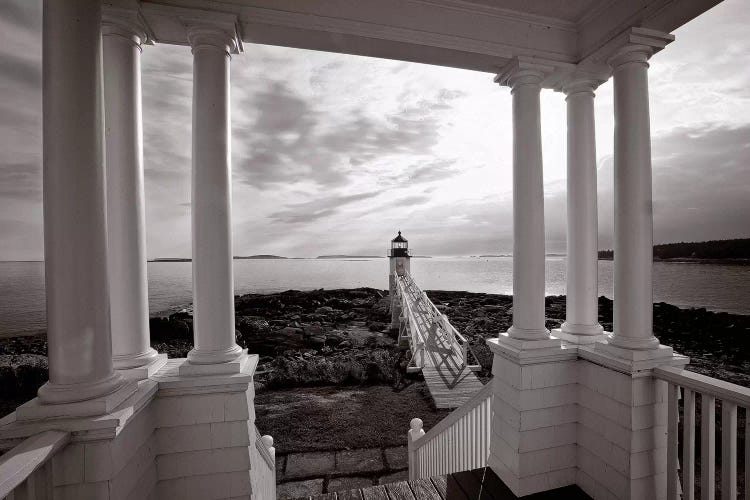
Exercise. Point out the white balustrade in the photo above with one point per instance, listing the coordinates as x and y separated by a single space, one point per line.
710 390
264 474
461 441
26 472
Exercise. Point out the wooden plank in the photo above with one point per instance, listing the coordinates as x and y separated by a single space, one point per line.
349 495
423 489
440 485
399 491
374 493
688 445
728 450
708 446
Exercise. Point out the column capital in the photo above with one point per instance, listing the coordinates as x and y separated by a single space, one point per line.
636 46
581 82
127 23
220 37
522 71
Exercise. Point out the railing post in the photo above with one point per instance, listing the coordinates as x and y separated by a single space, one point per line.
415 433
268 443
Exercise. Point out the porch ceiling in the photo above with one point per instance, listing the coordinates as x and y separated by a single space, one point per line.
479 35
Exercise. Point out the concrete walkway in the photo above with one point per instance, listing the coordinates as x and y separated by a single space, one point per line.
301 475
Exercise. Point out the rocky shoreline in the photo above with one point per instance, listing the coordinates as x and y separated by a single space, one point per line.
342 337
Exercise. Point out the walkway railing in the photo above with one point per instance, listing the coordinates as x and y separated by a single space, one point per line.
435 321
691 386
461 441
26 471
264 483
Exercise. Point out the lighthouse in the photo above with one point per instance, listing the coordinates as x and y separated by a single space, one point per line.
399 265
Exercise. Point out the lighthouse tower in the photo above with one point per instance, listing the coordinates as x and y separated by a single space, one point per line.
399 265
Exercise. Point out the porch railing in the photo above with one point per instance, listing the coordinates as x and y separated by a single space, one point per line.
690 387
264 485
461 441
26 470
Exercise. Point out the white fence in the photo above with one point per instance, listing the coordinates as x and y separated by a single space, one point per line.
687 385
26 471
461 441
263 469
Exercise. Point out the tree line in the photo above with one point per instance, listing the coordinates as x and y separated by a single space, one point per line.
715 249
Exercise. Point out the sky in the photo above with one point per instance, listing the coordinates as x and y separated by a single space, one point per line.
332 154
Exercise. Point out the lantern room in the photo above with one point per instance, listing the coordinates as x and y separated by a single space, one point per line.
399 246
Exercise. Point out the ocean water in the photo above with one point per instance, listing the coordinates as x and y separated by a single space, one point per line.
713 286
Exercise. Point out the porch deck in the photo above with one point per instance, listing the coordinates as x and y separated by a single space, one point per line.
477 484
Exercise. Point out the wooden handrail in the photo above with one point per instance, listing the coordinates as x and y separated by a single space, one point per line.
19 463
719 389
454 416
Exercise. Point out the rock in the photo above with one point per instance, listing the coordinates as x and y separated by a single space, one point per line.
317 341
333 340
345 345
290 331
324 310
314 330
376 326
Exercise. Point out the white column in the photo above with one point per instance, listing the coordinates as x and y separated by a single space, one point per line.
633 248
213 286
528 202
582 316
128 286
75 237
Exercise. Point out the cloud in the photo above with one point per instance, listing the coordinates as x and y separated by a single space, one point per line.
314 210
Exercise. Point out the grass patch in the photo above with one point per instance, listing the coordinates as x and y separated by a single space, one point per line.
334 418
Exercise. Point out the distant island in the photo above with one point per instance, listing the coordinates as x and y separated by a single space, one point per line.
349 257
262 256
493 256
734 251
238 257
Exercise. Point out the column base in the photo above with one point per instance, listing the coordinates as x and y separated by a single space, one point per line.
514 343
51 393
144 371
578 338
198 356
534 417
631 360
233 366
37 408
128 361
526 334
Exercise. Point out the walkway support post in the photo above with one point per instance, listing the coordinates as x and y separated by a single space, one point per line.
75 235
581 324
123 34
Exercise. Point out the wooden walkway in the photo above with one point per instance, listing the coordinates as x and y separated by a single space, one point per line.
477 484
450 381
